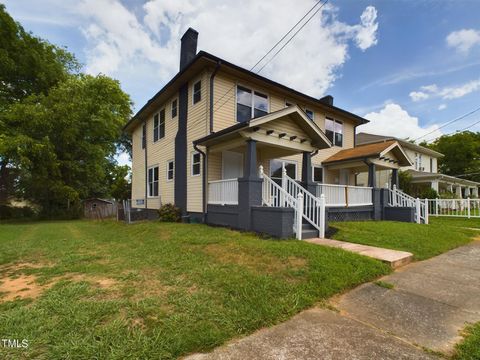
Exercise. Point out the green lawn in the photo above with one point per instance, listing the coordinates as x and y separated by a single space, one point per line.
456 221
469 348
424 241
153 290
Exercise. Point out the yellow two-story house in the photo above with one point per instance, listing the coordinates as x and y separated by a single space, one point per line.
216 133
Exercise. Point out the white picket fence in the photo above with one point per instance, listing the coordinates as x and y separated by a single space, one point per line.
345 195
398 198
466 208
223 192
291 194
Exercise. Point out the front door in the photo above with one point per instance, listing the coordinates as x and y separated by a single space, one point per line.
232 165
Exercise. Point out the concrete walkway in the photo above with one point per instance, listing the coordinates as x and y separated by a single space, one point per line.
429 305
394 258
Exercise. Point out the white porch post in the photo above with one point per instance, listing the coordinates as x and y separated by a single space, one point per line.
467 191
458 191
475 192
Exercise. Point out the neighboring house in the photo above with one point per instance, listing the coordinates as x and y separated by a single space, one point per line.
424 168
201 140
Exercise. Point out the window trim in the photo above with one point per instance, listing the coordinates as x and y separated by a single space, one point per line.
313 172
334 132
313 114
193 92
168 169
159 124
252 112
294 162
176 108
193 163
148 181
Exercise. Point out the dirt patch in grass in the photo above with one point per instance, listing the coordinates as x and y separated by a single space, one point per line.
20 287
234 254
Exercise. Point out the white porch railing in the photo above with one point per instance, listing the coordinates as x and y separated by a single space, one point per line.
306 205
398 198
345 195
223 192
467 208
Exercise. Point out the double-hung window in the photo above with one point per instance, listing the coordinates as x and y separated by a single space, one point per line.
170 170
196 164
159 125
250 104
153 181
197 91
174 108
334 131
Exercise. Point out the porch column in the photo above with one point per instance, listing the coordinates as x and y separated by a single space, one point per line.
395 181
467 191
372 182
458 191
249 187
475 192
434 185
307 179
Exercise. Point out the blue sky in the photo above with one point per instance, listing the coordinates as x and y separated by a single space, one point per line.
409 66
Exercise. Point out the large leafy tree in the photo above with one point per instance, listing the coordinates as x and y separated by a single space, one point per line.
462 154
59 130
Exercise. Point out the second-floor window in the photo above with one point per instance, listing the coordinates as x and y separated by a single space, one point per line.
310 114
431 165
250 104
418 162
197 92
334 131
170 170
153 181
174 108
159 125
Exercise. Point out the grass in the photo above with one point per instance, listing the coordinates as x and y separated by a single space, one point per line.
473 223
384 284
424 241
157 290
469 348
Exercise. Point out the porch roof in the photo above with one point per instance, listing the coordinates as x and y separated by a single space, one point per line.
421 176
376 151
288 128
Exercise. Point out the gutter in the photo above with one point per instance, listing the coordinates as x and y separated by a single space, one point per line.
212 77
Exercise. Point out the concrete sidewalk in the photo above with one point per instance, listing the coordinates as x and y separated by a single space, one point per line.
430 304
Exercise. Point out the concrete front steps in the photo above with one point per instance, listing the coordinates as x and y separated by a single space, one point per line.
308 231
394 258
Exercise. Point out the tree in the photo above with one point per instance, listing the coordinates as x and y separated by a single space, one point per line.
120 182
462 154
64 143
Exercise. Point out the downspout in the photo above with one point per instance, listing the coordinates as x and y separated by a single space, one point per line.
212 77
204 181
146 164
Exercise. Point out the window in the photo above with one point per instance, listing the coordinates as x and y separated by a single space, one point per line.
170 170
197 92
250 104
174 108
431 165
144 136
317 174
276 168
140 202
310 114
288 103
334 131
153 181
418 162
159 125
195 164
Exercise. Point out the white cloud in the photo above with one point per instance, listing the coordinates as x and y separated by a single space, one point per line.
463 40
392 120
442 106
446 93
120 43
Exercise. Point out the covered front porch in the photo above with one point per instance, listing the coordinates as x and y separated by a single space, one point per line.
445 184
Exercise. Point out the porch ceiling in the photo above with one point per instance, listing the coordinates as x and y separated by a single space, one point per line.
289 130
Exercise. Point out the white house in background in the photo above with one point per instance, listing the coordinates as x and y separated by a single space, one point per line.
424 168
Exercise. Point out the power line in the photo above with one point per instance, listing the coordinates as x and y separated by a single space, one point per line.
278 42
455 132
448 123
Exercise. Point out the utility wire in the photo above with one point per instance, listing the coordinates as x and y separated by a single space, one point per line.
455 132
449 122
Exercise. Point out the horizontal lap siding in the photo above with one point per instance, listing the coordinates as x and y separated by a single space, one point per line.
197 127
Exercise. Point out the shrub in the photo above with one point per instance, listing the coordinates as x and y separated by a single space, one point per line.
169 213
428 194
13 212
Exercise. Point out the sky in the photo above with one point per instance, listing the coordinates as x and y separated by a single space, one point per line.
409 66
